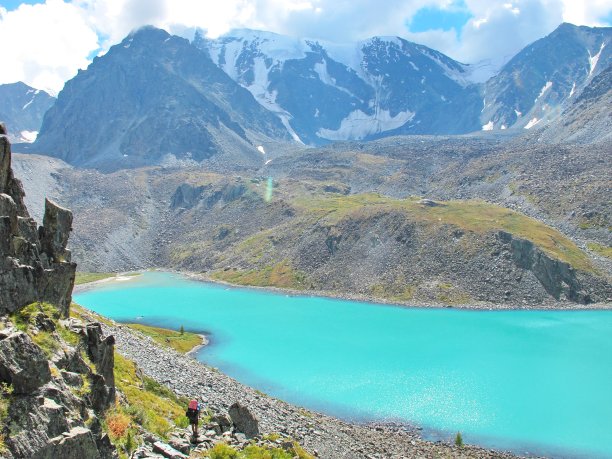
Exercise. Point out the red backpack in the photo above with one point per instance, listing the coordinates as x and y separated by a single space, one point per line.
193 410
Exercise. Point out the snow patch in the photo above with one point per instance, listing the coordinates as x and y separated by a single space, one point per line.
488 127
28 136
259 89
261 149
573 89
532 123
358 125
593 60
517 113
321 69
414 66
28 104
546 87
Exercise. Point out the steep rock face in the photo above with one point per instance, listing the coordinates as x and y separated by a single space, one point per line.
540 80
56 374
34 264
559 279
160 97
22 108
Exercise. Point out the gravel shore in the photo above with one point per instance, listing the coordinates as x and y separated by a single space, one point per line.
322 435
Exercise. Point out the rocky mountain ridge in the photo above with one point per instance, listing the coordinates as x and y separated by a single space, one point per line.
168 100
22 108
389 86
162 99
325 91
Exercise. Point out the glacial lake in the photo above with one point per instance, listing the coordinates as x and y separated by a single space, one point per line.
530 381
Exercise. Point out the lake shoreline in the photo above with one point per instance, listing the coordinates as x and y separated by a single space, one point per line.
550 305
477 306
330 437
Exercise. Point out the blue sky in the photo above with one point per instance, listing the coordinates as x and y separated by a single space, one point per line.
432 18
52 39
13 4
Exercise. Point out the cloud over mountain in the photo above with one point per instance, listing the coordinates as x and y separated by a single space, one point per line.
50 41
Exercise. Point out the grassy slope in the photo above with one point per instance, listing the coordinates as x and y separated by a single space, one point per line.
84 278
473 216
170 338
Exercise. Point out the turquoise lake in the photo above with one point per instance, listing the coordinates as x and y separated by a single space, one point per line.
530 381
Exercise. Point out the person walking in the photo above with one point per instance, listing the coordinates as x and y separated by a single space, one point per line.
193 414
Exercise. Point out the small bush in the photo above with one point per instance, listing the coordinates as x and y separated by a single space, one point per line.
222 451
117 423
458 440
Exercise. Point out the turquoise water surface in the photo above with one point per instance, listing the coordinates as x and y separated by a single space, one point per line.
530 381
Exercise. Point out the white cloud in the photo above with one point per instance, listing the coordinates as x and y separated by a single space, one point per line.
498 29
46 44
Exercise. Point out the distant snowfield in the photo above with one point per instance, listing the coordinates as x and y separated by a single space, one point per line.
358 125
28 136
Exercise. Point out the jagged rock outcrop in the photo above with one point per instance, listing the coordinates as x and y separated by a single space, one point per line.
56 374
101 352
34 264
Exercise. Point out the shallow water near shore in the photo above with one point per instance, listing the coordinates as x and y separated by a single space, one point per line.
530 381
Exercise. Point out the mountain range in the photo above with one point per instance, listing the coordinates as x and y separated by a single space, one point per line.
164 98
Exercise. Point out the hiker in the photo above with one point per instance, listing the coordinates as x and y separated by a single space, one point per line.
193 414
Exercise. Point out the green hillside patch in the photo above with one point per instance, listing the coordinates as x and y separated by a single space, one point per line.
600 249
474 215
85 278
147 403
181 342
280 275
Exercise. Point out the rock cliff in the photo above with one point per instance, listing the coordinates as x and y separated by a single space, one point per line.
56 373
34 262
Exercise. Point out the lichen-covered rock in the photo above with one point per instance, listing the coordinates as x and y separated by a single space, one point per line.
243 420
22 363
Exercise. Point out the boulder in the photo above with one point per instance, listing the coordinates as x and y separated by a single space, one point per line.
22 363
167 451
243 420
